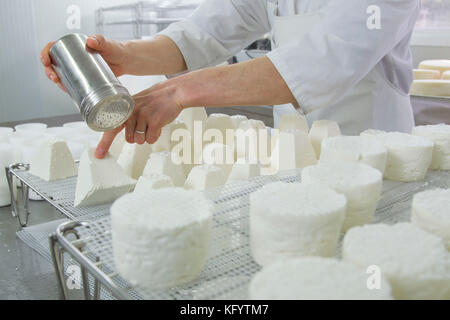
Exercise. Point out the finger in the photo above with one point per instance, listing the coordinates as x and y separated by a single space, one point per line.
45 55
141 130
153 135
51 74
130 128
61 87
105 143
97 42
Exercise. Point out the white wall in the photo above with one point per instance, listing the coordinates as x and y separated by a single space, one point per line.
19 88
26 26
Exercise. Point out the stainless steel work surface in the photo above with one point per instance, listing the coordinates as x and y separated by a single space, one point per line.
23 273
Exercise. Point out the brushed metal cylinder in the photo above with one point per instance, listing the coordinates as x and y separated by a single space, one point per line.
101 99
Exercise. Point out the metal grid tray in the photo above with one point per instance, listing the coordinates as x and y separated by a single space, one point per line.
37 238
60 194
230 265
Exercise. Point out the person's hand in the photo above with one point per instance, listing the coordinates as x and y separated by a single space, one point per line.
114 53
154 108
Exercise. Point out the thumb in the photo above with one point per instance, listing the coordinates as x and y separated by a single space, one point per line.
106 142
97 43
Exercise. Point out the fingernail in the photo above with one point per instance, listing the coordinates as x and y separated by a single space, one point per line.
42 60
52 76
100 152
94 39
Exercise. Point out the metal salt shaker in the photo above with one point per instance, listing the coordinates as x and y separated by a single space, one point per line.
102 100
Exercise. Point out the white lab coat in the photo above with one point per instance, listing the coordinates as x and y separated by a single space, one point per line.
321 67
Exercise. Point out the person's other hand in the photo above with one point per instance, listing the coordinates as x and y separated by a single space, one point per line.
154 108
112 51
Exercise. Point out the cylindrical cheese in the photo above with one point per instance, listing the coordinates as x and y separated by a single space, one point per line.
315 278
435 88
361 149
161 239
423 74
431 212
440 135
439 65
415 262
446 75
293 220
360 183
409 156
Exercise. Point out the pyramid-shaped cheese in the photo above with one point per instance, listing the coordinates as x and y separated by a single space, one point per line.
153 182
191 115
225 127
293 121
292 150
133 158
321 130
219 121
165 142
253 141
220 155
244 171
100 181
117 145
237 120
163 163
53 160
205 177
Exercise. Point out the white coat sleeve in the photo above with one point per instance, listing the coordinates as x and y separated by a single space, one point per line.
340 51
217 30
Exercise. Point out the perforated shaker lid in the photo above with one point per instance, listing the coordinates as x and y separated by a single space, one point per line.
110 112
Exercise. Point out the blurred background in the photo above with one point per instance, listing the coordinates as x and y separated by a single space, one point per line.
27 25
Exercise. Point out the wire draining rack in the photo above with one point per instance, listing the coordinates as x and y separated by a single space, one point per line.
230 266
60 194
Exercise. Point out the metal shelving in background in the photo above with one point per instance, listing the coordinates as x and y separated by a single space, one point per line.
141 19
